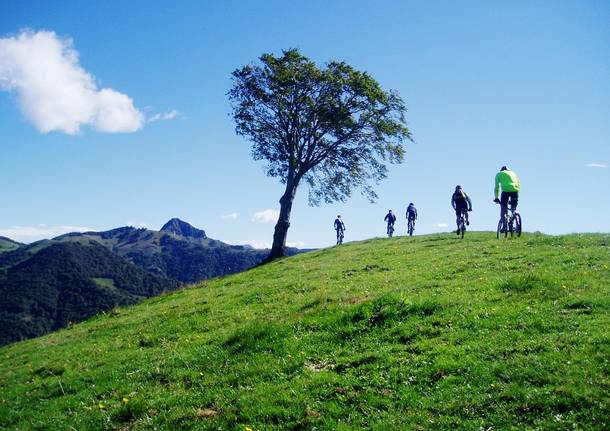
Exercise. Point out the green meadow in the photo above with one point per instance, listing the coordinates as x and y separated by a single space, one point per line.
422 333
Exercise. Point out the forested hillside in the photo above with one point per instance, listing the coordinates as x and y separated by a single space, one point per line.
67 283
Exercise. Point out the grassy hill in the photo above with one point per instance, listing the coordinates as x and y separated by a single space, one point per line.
416 333
7 244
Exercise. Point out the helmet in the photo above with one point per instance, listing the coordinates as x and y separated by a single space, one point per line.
458 187
338 216
410 203
504 168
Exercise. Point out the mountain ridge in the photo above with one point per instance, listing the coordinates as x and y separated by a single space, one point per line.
178 251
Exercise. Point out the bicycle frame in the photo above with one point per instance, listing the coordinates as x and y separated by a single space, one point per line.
390 230
340 236
462 223
509 223
410 226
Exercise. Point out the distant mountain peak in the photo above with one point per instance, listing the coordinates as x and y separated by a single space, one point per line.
179 227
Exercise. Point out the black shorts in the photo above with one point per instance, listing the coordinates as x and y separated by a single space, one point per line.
513 197
459 209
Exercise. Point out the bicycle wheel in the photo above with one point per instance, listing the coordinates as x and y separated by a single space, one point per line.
518 226
499 230
462 229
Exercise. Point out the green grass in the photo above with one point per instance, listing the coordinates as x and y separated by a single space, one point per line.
428 332
107 283
7 245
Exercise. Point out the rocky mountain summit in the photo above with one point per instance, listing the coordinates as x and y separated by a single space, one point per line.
183 228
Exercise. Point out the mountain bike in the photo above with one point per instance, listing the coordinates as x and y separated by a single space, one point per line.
340 236
390 230
509 224
410 226
462 223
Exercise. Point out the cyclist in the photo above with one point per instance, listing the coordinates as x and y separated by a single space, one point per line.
411 212
509 182
340 228
460 203
391 219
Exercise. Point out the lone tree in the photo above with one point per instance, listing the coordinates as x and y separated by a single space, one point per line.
333 128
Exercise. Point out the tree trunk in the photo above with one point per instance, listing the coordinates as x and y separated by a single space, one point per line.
278 249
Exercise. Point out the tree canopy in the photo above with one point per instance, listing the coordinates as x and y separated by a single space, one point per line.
333 127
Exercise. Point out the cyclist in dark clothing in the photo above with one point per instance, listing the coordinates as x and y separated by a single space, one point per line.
411 212
411 217
340 228
460 203
391 219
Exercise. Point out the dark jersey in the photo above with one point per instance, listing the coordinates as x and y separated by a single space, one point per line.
460 200
390 218
411 212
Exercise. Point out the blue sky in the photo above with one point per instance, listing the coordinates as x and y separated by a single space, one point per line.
487 83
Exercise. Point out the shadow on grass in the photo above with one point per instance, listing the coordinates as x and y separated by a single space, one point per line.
258 337
531 283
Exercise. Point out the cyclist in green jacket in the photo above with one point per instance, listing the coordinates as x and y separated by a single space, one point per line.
508 181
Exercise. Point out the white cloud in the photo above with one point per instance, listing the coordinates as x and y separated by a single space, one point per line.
255 243
231 216
164 117
296 244
55 93
34 233
597 165
266 216
260 244
441 225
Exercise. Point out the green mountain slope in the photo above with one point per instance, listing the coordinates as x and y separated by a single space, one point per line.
406 333
66 283
7 244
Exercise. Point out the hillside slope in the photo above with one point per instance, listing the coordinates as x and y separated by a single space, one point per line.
66 283
7 244
406 333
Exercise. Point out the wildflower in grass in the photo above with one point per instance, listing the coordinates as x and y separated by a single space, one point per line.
101 406
248 429
125 400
